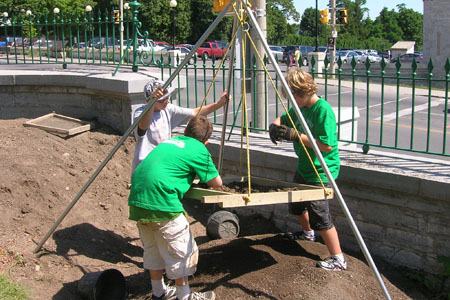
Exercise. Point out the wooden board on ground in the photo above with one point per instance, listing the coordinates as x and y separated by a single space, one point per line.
304 192
59 124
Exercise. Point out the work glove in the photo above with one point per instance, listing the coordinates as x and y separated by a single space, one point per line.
274 133
289 133
278 133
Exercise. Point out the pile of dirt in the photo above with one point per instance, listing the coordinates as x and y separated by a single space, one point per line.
42 173
242 187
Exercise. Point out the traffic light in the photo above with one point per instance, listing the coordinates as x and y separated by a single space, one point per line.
219 5
342 16
324 16
117 16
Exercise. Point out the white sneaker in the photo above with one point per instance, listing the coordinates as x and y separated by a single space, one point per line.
210 295
170 294
332 264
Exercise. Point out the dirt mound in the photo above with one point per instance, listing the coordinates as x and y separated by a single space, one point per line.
42 173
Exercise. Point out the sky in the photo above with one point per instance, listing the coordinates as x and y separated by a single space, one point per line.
374 6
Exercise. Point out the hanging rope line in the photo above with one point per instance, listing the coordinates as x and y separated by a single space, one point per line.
241 14
327 193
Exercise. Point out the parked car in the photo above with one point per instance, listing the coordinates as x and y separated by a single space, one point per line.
189 46
185 51
385 55
347 56
208 49
373 58
408 57
161 44
277 52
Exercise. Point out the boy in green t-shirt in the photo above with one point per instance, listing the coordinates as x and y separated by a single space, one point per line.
157 186
318 114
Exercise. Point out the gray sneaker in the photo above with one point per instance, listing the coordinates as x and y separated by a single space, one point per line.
170 294
210 295
299 235
332 264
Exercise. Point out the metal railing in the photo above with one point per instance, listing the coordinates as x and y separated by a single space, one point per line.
400 106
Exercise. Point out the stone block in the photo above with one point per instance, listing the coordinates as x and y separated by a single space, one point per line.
437 225
6 99
442 245
436 190
416 241
407 258
425 205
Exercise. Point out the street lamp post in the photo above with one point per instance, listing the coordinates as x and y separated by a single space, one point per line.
173 4
317 30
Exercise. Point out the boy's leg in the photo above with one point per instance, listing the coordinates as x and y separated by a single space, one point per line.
153 261
331 240
304 221
321 220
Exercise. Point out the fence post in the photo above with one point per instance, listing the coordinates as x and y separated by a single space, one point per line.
134 9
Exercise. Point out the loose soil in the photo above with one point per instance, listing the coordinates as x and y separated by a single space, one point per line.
42 173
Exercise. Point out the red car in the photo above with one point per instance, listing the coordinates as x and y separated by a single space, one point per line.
208 49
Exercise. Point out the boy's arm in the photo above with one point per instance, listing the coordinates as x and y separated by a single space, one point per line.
215 182
147 118
278 131
145 122
207 109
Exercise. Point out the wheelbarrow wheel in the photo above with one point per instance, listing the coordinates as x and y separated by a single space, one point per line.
222 225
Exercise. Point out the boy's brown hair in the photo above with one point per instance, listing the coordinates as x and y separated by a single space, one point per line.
300 83
199 128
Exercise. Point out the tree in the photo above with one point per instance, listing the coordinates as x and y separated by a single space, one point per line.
278 12
391 28
411 23
308 24
356 13
277 26
286 7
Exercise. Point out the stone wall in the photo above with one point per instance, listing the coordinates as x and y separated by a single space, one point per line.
109 100
403 217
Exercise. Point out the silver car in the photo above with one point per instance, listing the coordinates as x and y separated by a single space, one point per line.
347 56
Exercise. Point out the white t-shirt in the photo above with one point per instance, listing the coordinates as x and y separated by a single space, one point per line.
159 130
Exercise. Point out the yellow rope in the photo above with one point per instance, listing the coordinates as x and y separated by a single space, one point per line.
217 72
245 117
288 115
242 17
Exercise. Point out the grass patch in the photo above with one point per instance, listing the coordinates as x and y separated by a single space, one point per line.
10 290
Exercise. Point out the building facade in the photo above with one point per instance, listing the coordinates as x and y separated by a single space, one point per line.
436 37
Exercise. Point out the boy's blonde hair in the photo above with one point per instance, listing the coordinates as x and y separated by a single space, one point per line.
300 83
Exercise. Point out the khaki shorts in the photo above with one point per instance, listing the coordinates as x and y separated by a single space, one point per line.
170 246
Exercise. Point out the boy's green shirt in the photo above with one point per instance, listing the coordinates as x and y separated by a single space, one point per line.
321 121
159 183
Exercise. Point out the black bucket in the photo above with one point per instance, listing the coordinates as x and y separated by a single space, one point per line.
103 285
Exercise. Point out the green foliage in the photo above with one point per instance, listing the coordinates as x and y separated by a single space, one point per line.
193 18
446 262
308 24
10 290
277 26
411 23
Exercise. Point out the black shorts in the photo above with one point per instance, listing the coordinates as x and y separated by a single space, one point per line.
319 210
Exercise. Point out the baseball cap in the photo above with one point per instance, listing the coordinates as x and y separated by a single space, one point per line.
152 85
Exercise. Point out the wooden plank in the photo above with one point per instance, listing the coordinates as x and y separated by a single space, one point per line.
73 125
199 193
237 200
227 200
